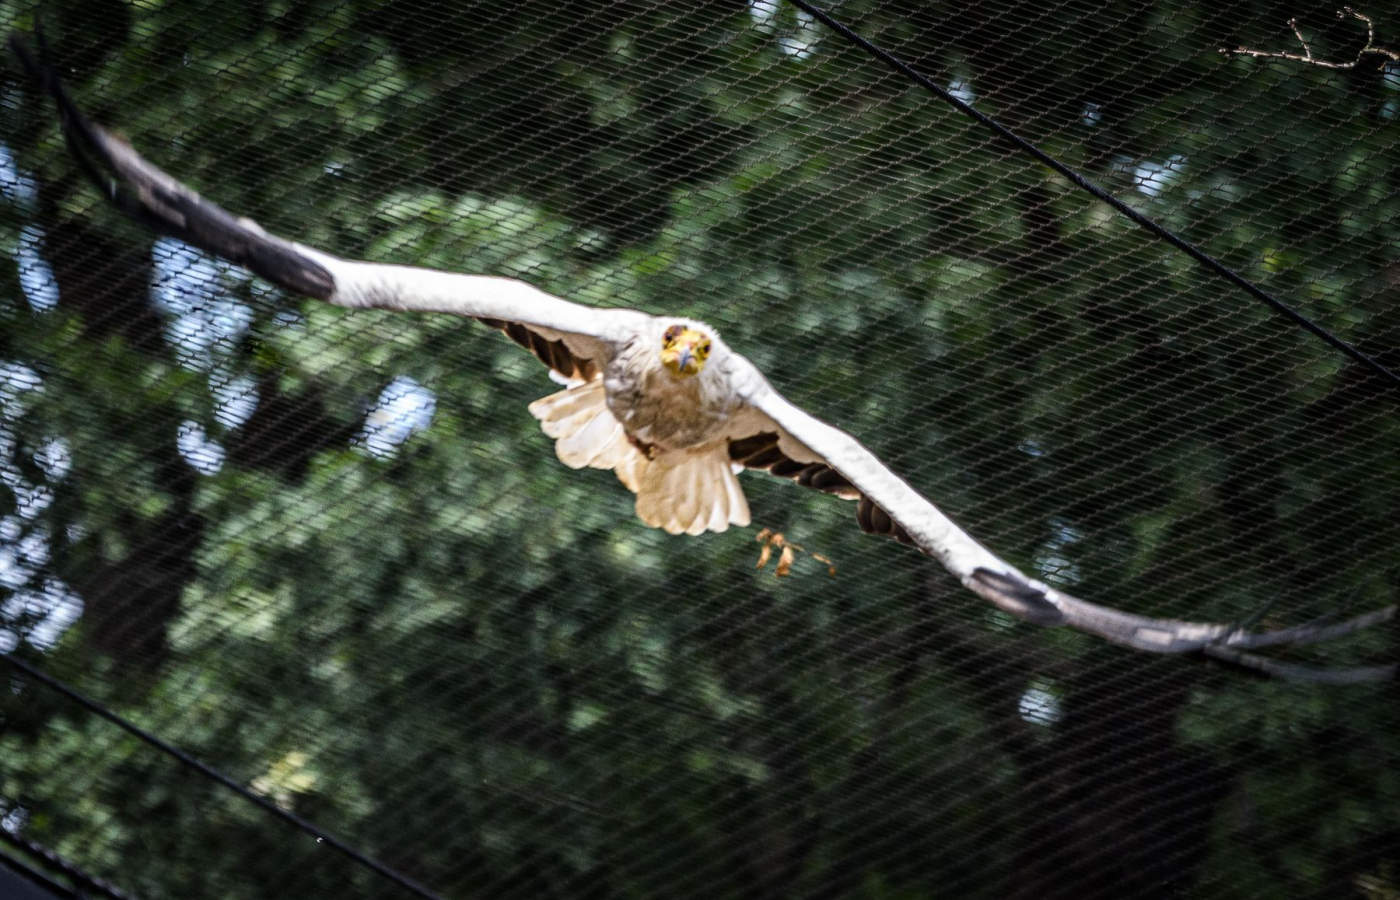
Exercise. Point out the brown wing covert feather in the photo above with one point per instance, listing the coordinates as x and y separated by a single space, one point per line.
554 354
761 451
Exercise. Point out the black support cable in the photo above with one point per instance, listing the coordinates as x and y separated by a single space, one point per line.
38 882
1081 181
88 885
209 771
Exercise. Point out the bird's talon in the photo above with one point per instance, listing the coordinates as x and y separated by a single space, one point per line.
785 562
774 540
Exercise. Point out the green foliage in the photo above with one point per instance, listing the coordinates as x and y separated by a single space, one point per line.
478 666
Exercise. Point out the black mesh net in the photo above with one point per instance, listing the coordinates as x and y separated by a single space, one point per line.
331 554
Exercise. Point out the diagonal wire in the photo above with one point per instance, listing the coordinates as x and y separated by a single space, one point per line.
88 885
38 880
1081 181
209 771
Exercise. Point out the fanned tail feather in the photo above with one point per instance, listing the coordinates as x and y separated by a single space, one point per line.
691 492
682 492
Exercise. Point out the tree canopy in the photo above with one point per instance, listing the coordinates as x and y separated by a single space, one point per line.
332 555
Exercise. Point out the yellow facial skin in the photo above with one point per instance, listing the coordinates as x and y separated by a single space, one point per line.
684 350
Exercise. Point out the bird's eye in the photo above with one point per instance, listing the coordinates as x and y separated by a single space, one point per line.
705 348
672 333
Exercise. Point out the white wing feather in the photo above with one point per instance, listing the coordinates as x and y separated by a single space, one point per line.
587 331
932 531
1004 585
167 205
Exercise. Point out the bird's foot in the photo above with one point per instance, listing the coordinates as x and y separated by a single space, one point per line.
787 553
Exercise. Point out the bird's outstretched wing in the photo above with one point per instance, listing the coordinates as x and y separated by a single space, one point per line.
802 447
575 341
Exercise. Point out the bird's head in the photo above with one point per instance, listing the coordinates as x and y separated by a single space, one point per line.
684 350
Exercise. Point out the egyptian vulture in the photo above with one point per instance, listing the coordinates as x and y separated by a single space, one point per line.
663 402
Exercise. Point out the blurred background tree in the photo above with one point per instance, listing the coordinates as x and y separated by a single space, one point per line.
332 554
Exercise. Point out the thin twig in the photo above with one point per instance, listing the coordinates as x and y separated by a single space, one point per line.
1369 50
1307 51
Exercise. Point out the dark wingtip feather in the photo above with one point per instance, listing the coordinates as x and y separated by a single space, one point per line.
163 204
1017 597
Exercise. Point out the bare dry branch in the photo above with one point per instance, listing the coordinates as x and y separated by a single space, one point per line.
1307 56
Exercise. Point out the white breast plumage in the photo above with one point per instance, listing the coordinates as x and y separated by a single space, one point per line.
661 410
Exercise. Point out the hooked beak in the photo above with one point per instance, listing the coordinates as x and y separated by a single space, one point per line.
684 353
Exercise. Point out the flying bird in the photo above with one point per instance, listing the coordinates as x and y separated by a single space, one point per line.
664 403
